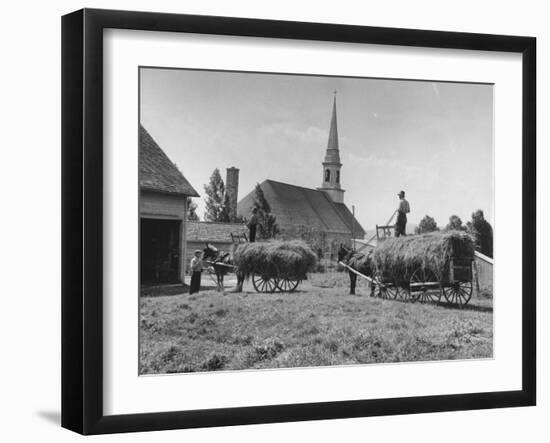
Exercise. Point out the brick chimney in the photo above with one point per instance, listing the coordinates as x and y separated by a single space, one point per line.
232 189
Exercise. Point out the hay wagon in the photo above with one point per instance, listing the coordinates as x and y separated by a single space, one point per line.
455 284
423 268
275 266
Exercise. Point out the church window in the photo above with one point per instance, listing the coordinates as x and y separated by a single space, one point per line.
338 177
327 175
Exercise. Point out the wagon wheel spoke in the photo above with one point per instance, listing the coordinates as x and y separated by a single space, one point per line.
382 289
416 278
256 280
465 289
393 290
288 285
418 289
273 284
403 294
260 283
459 293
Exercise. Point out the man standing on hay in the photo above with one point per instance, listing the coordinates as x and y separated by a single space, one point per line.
251 225
402 210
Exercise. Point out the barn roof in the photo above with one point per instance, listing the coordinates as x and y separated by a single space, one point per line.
296 205
156 170
213 231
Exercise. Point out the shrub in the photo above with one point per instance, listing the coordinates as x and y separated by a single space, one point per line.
215 362
269 348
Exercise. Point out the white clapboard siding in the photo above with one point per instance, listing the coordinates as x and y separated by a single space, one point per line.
484 271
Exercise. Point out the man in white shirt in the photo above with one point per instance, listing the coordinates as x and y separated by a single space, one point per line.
252 224
402 210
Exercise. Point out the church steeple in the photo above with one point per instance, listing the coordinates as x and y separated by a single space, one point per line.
331 164
333 152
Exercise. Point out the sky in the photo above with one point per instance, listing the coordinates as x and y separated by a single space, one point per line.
434 140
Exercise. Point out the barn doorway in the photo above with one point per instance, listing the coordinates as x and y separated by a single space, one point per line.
159 251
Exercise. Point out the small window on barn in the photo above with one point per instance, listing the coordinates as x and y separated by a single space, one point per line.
337 176
327 175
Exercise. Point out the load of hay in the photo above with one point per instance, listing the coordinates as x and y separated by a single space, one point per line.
283 259
398 258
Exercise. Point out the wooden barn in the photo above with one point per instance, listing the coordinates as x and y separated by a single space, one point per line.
484 272
220 235
163 200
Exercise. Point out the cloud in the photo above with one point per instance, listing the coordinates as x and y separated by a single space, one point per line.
294 132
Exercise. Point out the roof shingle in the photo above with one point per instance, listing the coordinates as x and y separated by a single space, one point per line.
295 205
156 170
213 231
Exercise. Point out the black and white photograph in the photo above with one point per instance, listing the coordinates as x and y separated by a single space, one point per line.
294 221
287 221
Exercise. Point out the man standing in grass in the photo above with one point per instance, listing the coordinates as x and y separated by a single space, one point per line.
402 210
196 270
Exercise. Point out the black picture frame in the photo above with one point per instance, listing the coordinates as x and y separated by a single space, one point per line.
82 218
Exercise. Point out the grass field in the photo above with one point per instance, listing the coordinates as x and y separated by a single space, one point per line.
317 326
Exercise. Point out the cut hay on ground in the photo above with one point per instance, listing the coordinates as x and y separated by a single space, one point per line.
398 258
285 259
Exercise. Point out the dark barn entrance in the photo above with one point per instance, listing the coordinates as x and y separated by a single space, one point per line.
159 251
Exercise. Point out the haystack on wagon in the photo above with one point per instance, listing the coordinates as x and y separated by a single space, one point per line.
275 265
426 267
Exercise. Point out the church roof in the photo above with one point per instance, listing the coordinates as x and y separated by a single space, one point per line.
333 153
350 220
156 170
296 205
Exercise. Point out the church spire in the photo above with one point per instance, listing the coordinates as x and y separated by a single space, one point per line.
333 152
331 164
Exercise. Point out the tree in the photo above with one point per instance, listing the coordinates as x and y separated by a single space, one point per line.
215 192
427 224
267 222
225 210
455 224
482 231
192 210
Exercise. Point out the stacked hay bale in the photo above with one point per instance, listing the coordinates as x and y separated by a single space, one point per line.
286 259
398 258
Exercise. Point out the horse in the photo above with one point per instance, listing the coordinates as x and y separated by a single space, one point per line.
222 262
360 262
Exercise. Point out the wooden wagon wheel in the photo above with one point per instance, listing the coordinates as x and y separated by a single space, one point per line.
264 284
419 288
287 284
458 292
388 290
402 288
394 291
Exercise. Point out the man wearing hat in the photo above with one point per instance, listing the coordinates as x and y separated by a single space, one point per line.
196 270
252 224
402 210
